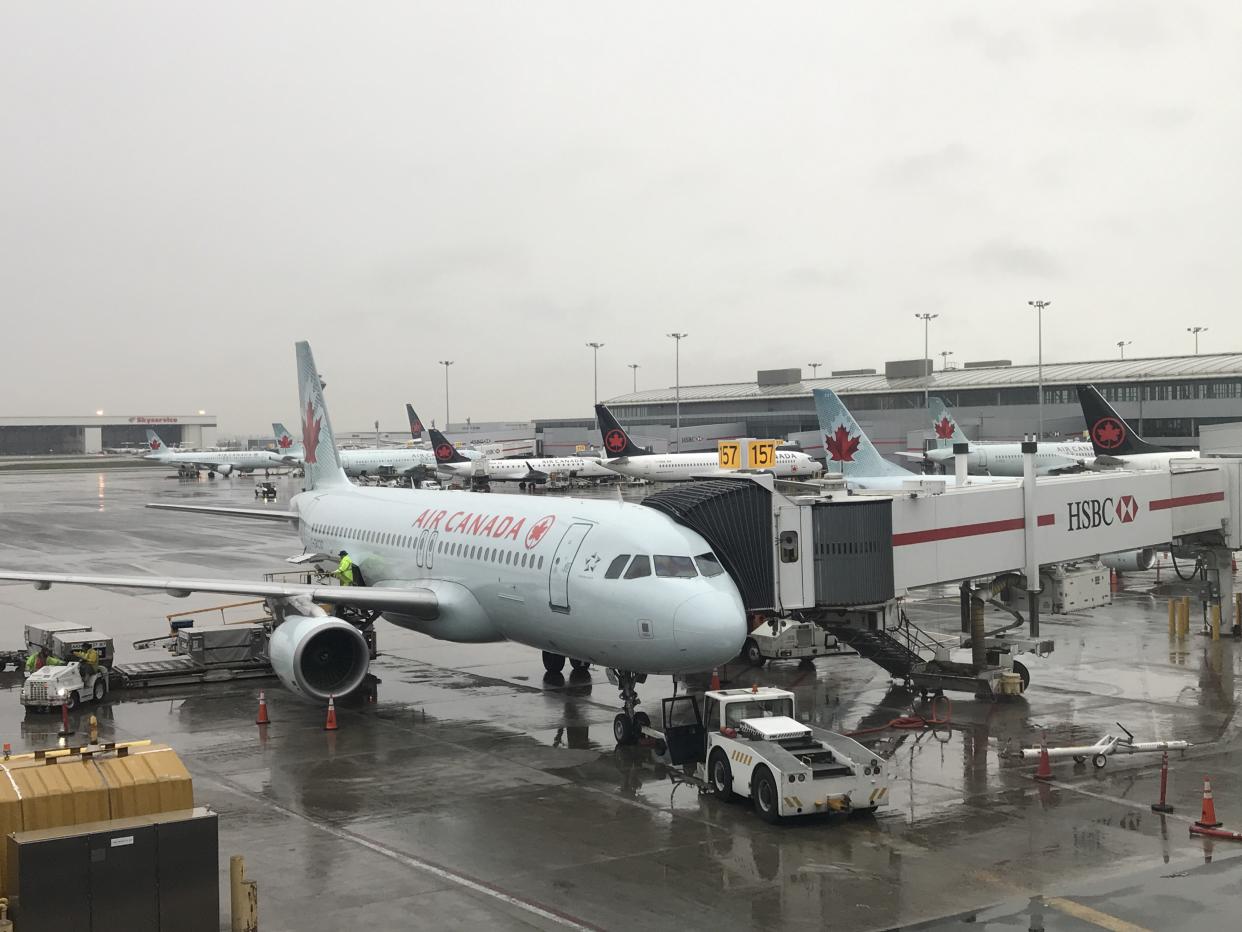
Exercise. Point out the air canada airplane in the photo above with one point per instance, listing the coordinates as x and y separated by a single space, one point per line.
377 461
1116 443
629 459
999 459
605 582
223 462
852 454
534 469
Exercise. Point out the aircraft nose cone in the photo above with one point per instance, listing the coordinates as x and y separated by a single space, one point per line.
709 629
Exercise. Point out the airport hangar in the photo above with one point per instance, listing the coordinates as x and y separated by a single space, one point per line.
1167 398
36 436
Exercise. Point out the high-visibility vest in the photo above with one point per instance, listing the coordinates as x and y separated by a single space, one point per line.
345 572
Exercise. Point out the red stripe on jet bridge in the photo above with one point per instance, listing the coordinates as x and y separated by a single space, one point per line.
1160 504
967 530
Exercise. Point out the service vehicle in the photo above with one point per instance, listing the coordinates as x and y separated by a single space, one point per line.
265 491
748 743
778 638
72 682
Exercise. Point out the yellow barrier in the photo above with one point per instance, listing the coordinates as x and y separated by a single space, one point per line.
1215 621
1172 617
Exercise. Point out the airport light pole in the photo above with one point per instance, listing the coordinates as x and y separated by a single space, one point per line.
678 337
446 363
944 357
814 367
1039 327
1121 345
634 369
926 319
1196 331
595 350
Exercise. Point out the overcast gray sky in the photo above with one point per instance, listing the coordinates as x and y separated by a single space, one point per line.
188 188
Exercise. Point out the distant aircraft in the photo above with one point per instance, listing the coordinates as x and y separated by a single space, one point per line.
416 423
852 454
407 462
605 582
535 470
223 462
629 459
1116 443
998 458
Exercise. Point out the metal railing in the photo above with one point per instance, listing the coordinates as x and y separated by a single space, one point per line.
224 620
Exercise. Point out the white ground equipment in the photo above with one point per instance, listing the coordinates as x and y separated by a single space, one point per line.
1106 747
785 639
748 743
71 683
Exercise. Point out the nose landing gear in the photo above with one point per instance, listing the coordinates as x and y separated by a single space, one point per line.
628 725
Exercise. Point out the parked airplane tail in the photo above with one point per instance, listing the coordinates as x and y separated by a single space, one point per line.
444 450
850 451
416 424
155 443
1110 434
284 440
616 441
948 431
320 462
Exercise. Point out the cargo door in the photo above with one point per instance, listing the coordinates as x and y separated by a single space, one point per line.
562 563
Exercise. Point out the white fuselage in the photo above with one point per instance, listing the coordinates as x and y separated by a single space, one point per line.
517 470
220 460
897 483
1005 459
533 571
1146 461
394 461
682 467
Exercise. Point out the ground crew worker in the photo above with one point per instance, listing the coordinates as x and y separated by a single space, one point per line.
88 659
35 660
345 570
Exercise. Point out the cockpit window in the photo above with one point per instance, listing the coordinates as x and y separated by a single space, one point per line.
639 568
616 566
674 567
708 564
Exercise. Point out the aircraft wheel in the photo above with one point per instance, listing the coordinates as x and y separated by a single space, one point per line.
763 795
751 653
553 663
623 729
579 664
99 690
71 700
1100 761
720 774
1022 671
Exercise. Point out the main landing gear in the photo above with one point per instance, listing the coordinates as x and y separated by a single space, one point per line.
628 725
555 663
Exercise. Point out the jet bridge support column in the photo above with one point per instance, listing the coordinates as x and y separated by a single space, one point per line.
1031 515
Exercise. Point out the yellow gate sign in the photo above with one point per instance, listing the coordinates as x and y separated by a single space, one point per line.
730 453
761 455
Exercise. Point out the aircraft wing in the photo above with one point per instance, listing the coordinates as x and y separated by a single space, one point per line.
261 513
416 601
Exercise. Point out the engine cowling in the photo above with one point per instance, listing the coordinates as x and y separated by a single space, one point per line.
318 657
1130 561
224 469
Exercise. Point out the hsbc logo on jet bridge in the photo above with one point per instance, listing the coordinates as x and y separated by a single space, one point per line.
1102 512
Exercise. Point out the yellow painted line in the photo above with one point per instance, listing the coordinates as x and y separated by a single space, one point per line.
1093 916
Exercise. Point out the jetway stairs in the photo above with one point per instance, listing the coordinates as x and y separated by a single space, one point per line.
901 651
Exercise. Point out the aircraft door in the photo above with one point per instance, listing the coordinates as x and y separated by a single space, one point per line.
562 562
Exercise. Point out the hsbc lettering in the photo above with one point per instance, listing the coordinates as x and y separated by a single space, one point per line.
1101 512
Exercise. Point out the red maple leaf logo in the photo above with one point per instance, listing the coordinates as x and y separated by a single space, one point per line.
539 530
615 441
285 441
944 429
310 434
444 452
416 427
155 444
1108 433
841 446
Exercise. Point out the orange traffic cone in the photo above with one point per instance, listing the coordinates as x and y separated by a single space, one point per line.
261 718
330 724
1045 764
1208 819
715 678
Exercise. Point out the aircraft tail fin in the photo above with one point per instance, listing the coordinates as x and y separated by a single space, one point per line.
616 441
155 443
1110 434
850 451
284 440
948 431
320 461
416 424
443 448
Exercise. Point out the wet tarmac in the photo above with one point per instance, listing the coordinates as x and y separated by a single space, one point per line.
475 794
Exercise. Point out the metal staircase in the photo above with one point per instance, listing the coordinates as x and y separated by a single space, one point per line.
901 651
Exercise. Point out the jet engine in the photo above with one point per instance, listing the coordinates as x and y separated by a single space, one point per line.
224 469
318 657
1130 561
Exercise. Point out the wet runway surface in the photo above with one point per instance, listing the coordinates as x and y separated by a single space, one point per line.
475 794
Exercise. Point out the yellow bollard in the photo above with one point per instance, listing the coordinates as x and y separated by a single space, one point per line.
94 730
1183 620
1215 616
1172 617
6 924
243 896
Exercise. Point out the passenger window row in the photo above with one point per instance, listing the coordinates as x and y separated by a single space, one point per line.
451 548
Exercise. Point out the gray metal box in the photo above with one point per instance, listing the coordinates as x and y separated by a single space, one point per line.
49 873
123 891
853 552
64 643
40 635
189 885
221 644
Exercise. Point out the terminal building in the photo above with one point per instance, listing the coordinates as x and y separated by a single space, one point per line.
39 436
1168 399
